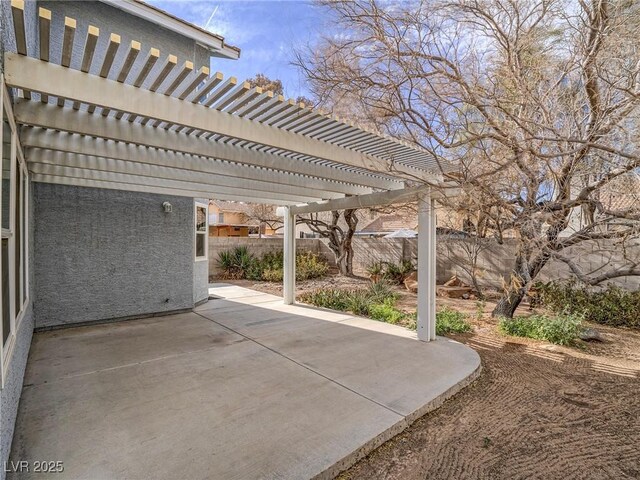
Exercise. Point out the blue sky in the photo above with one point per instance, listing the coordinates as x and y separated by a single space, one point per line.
267 31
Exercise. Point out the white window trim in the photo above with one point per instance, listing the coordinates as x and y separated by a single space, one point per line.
205 233
6 351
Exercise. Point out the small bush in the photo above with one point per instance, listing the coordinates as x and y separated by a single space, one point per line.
272 275
381 292
376 269
396 273
359 301
610 306
236 263
332 298
563 329
310 265
451 321
386 312
377 302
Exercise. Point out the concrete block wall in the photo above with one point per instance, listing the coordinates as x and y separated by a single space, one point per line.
257 246
494 261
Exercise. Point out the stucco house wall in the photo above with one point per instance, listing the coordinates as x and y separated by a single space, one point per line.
111 19
106 254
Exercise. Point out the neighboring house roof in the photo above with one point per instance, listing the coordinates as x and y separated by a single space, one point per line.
402 233
622 194
390 223
213 42
236 207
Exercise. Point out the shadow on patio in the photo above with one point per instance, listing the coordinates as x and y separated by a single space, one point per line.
244 387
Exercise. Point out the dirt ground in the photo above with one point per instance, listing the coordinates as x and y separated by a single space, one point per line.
538 411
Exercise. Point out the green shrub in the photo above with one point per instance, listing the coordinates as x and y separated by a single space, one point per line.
396 273
359 301
609 306
236 263
375 269
377 302
309 265
386 312
562 329
381 292
272 275
332 298
451 321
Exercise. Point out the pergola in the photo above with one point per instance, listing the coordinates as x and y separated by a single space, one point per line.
128 117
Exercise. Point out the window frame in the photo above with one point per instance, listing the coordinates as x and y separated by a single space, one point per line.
18 172
205 207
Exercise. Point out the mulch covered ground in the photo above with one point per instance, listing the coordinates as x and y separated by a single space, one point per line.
533 414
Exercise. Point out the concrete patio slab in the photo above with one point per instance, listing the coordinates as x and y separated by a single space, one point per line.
244 387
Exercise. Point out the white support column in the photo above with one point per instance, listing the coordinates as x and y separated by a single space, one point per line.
426 268
289 287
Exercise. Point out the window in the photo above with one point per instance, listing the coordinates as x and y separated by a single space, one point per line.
13 247
201 231
221 217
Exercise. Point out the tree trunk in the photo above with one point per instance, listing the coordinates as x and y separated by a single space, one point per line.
516 290
341 243
508 303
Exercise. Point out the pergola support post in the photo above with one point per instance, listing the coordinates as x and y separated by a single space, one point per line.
289 277
426 267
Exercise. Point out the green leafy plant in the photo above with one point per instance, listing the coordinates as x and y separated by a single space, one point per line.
375 271
359 302
562 329
608 306
236 263
309 265
377 302
381 292
333 298
395 273
451 321
386 312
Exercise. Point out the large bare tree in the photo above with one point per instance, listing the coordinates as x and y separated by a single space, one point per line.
535 103
338 227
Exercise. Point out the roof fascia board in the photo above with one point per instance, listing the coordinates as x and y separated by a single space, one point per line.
210 41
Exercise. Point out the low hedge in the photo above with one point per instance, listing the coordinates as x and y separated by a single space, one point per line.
608 306
239 263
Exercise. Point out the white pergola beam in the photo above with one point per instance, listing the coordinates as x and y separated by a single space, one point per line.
48 116
161 190
37 157
96 147
361 201
210 191
34 75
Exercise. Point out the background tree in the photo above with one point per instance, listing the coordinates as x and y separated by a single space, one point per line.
263 214
535 103
339 228
266 84
275 86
